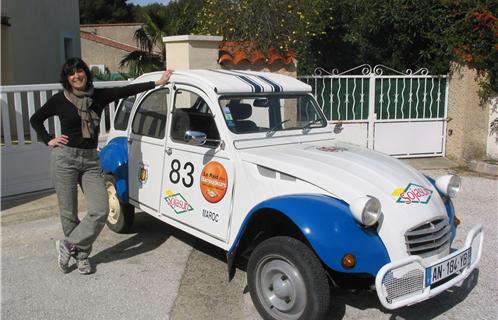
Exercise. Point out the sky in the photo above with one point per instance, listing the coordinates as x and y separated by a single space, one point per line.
146 2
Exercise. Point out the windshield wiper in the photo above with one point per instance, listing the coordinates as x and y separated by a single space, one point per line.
275 127
309 124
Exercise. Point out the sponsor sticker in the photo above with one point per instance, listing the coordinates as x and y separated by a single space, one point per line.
412 193
177 202
213 182
143 173
332 149
210 215
228 114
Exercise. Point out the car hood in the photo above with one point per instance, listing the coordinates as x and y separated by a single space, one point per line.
344 170
348 172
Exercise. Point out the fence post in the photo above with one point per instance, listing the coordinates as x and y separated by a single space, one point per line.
371 110
5 120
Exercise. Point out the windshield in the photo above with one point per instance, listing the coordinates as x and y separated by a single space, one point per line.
272 113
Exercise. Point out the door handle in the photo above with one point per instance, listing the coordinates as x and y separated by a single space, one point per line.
169 151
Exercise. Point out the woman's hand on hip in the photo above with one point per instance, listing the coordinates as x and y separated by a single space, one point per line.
59 141
164 78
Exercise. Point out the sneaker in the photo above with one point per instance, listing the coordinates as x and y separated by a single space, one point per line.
84 266
64 250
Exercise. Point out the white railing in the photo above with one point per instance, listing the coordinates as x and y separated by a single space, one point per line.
20 102
25 161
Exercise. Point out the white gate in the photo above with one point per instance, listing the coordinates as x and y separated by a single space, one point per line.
401 114
25 160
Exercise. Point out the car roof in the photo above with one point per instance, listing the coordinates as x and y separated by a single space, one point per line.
235 81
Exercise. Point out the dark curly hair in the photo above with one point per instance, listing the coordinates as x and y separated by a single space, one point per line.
69 67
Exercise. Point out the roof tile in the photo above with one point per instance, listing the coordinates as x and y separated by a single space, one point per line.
235 52
107 41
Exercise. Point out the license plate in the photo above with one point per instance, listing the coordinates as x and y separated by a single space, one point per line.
447 268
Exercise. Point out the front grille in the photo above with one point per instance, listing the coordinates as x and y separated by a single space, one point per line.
428 236
411 282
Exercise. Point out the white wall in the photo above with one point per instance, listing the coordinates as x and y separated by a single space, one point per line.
35 39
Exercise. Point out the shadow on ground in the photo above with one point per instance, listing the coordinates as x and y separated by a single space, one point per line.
430 309
206 278
148 234
14 201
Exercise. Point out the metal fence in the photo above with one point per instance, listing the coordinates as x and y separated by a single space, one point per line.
399 113
410 95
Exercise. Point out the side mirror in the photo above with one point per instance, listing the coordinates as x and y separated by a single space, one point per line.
338 127
195 137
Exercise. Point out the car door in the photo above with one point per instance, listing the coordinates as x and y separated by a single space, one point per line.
146 143
197 179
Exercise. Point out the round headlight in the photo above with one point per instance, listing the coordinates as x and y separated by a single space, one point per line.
366 210
449 185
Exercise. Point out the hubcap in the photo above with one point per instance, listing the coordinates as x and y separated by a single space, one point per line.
281 287
114 208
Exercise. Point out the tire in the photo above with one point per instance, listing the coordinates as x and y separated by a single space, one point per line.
287 281
121 215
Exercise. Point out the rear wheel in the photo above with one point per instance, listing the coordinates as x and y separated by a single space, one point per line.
287 281
121 215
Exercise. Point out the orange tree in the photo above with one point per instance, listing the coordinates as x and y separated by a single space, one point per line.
406 34
402 34
278 24
478 47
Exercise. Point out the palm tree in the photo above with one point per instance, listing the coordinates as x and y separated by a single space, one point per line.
178 17
140 62
151 54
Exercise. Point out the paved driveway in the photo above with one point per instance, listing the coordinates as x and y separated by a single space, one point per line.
158 272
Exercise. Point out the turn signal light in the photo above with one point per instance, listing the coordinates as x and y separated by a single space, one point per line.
457 222
348 261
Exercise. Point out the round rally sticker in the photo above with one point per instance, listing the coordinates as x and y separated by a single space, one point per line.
214 181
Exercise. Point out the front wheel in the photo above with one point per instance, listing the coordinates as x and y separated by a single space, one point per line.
287 281
121 215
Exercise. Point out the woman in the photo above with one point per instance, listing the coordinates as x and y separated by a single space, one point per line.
75 159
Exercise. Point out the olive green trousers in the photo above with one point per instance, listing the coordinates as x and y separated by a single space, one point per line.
72 167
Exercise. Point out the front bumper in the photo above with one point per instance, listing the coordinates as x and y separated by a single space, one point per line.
403 282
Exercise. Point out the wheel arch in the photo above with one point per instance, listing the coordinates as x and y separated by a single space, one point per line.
263 223
114 160
322 222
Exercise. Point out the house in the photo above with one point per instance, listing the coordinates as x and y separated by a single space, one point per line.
31 54
103 46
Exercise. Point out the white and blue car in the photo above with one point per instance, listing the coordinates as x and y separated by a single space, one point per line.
248 162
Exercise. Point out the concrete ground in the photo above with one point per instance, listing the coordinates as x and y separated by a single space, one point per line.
159 272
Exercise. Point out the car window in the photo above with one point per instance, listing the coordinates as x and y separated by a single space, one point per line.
123 113
150 118
250 114
192 112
